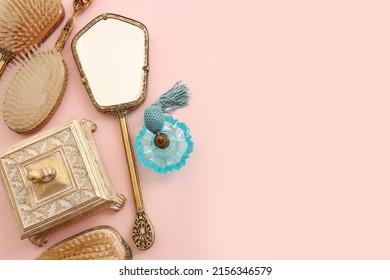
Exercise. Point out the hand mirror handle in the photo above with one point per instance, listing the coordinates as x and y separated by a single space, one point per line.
143 232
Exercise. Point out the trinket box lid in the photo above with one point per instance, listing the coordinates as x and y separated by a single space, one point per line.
54 178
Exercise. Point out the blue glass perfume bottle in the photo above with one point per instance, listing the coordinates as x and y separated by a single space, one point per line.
164 143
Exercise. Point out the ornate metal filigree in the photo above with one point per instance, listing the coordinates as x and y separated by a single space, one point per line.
143 232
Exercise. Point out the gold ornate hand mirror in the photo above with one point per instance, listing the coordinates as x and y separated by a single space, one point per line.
111 53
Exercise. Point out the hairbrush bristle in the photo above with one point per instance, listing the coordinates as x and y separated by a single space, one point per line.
26 23
100 243
32 88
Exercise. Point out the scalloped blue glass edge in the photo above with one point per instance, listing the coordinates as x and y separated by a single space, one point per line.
168 168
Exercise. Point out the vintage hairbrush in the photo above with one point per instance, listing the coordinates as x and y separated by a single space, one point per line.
98 243
24 24
34 88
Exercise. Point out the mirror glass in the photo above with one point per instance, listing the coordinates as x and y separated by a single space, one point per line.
112 54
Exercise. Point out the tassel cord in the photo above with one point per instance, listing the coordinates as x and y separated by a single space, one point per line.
175 98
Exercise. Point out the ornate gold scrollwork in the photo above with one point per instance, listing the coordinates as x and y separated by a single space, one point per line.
143 232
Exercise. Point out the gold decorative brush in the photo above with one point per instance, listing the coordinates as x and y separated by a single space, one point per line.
35 86
98 243
24 24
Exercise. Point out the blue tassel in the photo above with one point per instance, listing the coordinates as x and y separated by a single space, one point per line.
174 98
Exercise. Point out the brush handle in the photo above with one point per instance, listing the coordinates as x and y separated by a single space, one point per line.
143 232
78 7
65 33
6 56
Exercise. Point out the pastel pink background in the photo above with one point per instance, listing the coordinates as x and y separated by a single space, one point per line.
290 118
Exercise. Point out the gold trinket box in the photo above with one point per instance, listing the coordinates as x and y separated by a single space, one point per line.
98 243
55 178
